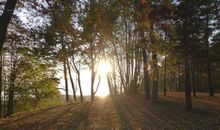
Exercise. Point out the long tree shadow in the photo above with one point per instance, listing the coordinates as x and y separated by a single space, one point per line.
47 122
205 117
122 112
81 119
143 112
27 116
171 114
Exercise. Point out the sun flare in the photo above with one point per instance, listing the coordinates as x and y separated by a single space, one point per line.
103 93
104 67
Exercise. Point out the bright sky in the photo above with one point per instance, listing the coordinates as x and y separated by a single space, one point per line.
103 90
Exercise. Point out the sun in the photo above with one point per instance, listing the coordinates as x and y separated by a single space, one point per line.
104 67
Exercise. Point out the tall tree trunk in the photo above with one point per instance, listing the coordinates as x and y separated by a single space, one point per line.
127 71
92 72
201 80
80 87
187 78
1 60
11 88
120 70
5 19
37 98
78 79
109 84
193 77
179 77
121 86
92 85
66 80
155 66
146 75
164 76
114 78
176 82
155 77
71 80
210 87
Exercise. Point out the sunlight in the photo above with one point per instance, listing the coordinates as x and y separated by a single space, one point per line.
104 68
103 92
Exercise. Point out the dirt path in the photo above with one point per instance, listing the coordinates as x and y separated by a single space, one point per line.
122 112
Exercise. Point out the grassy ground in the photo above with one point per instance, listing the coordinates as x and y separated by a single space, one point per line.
123 112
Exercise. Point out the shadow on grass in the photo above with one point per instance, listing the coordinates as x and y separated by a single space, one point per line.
171 105
26 117
121 109
165 114
81 119
48 122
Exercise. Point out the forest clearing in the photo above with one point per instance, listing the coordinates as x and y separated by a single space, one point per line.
110 64
124 113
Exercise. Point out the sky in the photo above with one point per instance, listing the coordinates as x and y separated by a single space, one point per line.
85 82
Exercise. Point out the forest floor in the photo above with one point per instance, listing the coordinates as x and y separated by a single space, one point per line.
123 112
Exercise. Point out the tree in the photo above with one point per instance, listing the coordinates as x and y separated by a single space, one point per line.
5 20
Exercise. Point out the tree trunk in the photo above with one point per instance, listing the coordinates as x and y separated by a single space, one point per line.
11 89
109 84
80 88
176 82
193 78
114 78
120 70
1 60
201 80
92 85
179 78
5 19
210 87
92 72
66 80
164 78
155 77
78 79
37 98
146 75
187 79
71 80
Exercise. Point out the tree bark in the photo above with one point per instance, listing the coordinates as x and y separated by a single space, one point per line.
187 78
66 80
1 60
120 70
92 73
164 77
210 87
193 78
155 77
5 19
146 75
80 88
71 80
11 88
78 79
114 78
109 84
179 77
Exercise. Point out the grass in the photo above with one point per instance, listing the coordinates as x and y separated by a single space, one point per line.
123 112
